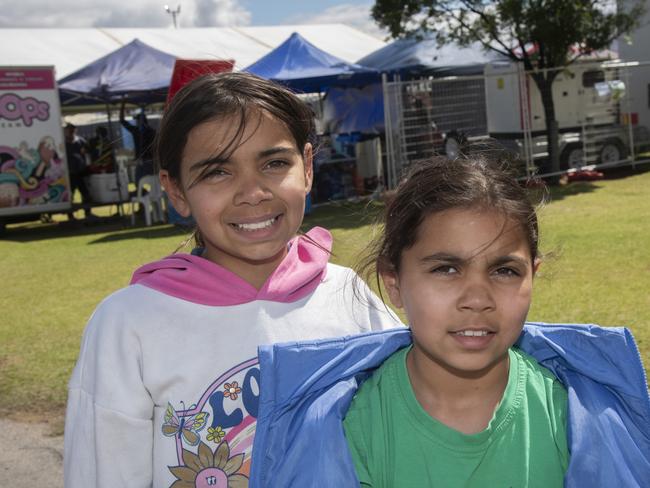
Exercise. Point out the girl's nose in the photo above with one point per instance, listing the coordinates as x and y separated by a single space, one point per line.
476 296
251 190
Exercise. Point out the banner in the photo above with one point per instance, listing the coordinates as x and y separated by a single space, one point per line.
33 169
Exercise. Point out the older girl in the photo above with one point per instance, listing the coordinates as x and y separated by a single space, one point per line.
166 388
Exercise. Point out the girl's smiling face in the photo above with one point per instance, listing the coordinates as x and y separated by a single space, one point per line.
466 287
249 204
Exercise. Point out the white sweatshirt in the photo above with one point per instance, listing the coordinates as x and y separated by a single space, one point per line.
165 391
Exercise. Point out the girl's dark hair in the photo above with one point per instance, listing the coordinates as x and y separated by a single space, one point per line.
236 95
440 184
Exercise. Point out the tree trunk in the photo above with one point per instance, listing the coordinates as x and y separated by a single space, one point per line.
544 82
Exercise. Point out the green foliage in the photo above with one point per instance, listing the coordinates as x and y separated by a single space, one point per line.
554 27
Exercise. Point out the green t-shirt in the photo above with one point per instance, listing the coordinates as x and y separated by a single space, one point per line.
396 444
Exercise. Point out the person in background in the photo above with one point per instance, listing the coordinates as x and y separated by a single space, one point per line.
76 150
101 152
143 140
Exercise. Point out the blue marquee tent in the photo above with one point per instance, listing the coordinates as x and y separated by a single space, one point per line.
136 71
412 57
303 67
363 110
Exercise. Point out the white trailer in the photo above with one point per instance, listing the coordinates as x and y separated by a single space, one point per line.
587 98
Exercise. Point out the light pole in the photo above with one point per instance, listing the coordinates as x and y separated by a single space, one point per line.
173 13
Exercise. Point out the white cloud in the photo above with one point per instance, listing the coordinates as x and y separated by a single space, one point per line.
220 13
120 13
42 13
354 15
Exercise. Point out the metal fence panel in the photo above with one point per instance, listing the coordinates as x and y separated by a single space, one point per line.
602 109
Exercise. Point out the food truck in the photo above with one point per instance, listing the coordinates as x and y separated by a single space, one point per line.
33 168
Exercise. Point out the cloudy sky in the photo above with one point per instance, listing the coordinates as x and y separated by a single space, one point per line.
194 13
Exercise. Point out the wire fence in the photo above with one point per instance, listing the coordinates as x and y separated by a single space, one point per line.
602 109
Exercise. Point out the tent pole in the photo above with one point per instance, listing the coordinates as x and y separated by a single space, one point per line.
111 138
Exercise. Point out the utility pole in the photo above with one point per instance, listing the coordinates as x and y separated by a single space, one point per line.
173 13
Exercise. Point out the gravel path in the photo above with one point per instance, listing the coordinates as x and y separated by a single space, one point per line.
29 455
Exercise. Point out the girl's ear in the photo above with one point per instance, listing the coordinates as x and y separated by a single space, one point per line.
308 161
175 193
536 265
391 283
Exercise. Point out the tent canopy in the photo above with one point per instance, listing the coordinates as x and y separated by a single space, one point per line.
348 110
136 71
415 57
62 47
303 67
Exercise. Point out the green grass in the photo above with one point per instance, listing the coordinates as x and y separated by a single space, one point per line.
598 269
54 276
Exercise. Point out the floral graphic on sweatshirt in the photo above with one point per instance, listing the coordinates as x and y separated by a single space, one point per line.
231 390
215 434
210 469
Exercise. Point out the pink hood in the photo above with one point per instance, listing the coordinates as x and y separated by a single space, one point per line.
199 280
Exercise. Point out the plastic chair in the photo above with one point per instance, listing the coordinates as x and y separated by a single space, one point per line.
149 195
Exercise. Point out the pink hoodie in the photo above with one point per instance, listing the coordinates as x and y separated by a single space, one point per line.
201 281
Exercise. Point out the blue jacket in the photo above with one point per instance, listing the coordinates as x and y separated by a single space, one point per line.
306 389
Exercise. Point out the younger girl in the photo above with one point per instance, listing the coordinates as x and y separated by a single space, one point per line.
466 399
166 388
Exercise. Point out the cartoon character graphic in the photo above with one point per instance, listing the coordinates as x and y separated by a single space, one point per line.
54 167
32 175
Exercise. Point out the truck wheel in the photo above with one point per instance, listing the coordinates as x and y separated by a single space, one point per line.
572 157
611 152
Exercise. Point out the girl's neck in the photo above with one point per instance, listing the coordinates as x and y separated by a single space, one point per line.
254 272
464 402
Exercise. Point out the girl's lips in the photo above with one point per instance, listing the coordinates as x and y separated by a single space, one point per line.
252 221
472 333
257 229
258 225
475 339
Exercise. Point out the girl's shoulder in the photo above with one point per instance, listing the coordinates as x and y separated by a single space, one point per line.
337 269
130 295
382 385
130 305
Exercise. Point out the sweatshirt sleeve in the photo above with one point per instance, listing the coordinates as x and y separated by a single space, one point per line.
109 428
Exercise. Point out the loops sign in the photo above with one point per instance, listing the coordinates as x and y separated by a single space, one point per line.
13 108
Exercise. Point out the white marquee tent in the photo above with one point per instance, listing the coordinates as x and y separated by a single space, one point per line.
70 49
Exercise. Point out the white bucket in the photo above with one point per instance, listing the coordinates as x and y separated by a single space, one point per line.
103 188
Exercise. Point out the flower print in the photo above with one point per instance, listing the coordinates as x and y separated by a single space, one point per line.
231 390
208 469
215 434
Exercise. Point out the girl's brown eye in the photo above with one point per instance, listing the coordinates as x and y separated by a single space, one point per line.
507 271
277 163
445 269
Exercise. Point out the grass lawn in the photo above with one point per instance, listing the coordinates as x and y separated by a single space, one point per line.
54 276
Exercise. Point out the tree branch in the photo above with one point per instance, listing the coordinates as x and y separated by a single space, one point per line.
506 50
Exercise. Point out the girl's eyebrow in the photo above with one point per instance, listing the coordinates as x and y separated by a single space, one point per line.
501 260
201 164
276 150
452 259
442 256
